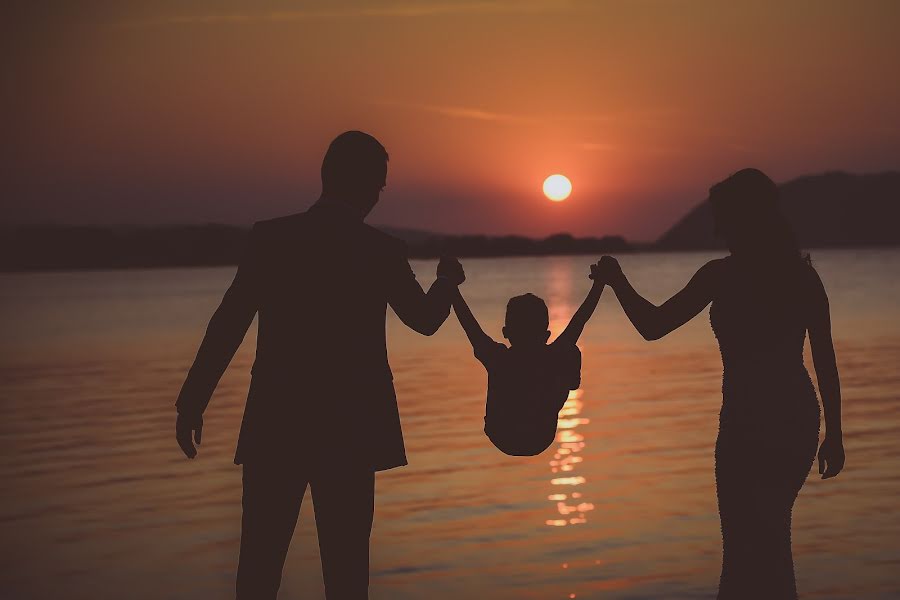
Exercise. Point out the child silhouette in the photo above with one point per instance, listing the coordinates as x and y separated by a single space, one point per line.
529 380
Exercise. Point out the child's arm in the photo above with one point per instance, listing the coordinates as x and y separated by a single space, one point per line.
477 337
580 318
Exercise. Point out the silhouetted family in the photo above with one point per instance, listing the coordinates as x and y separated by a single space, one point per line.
320 283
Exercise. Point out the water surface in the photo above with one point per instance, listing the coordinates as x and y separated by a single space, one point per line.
98 502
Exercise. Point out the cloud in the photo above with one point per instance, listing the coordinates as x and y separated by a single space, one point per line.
461 112
480 114
408 10
648 116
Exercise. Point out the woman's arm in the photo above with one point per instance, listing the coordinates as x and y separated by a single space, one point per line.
654 322
831 452
576 326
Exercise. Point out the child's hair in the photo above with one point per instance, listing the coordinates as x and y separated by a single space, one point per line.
527 312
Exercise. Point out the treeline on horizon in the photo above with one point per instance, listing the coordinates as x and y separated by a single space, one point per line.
827 210
49 247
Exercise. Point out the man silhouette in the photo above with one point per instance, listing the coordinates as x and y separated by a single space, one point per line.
321 409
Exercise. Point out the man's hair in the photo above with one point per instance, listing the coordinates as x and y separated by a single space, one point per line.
354 160
527 312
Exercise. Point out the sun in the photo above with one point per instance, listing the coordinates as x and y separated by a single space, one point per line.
557 187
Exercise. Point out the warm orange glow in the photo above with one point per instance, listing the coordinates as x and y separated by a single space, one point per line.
643 113
557 187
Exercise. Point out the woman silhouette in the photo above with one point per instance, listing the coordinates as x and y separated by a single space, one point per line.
765 297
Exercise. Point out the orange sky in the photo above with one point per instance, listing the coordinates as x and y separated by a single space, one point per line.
212 111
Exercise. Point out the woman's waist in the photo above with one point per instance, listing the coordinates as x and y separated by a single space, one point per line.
774 367
766 380
768 396
763 350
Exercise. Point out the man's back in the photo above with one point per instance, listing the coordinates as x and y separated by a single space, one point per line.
321 372
321 410
320 282
323 288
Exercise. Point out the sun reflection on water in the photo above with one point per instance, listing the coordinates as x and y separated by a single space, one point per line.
569 502
566 464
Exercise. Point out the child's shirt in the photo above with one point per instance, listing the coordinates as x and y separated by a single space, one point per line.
527 387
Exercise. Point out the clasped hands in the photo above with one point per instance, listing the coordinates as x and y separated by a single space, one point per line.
606 271
449 268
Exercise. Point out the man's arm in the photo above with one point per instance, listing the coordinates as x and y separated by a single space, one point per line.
576 326
424 313
224 335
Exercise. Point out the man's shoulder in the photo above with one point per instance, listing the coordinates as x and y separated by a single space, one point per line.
269 230
360 232
383 239
280 223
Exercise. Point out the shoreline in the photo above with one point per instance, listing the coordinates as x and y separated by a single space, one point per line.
637 249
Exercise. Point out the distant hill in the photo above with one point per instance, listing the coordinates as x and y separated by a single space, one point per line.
833 209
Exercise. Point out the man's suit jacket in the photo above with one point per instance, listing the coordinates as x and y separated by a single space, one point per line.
321 390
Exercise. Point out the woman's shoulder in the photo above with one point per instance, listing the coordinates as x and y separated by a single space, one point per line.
801 277
715 269
718 263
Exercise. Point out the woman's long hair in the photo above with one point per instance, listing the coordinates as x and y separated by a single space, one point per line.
747 213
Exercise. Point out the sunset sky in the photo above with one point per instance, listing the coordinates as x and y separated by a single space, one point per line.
215 111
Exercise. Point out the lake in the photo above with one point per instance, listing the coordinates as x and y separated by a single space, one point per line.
98 502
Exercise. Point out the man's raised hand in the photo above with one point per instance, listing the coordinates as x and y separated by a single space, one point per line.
450 269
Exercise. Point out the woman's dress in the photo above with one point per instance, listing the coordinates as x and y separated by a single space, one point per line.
768 426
